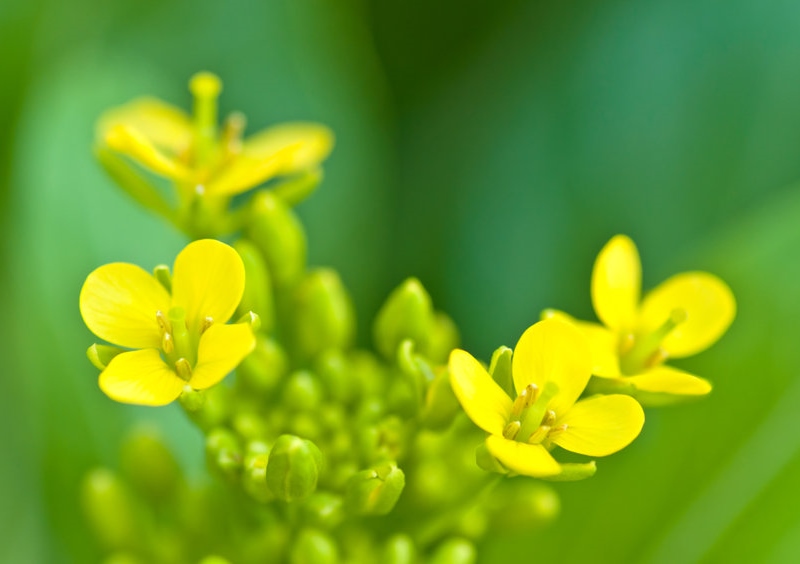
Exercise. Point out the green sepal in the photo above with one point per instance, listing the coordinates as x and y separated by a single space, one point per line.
162 274
257 296
406 314
101 355
298 188
500 370
573 472
294 468
208 408
487 462
314 547
454 551
252 319
375 491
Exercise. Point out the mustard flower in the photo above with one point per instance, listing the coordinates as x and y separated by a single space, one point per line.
179 334
551 366
682 316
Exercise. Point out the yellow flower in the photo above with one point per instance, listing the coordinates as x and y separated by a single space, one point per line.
550 367
181 336
682 316
202 161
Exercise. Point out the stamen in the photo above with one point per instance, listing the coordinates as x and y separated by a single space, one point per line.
232 132
555 431
207 322
183 369
549 418
539 435
167 343
626 343
646 350
526 398
511 430
163 322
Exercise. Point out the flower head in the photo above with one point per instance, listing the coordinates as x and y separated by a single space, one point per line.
550 368
682 316
179 334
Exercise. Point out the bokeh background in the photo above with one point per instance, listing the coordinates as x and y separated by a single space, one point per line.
489 148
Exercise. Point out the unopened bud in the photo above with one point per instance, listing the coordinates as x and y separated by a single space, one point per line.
406 314
149 465
294 467
454 551
257 296
214 559
224 453
522 505
278 234
111 510
444 338
254 475
486 461
208 408
314 547
101 355
441 404
323 316
262 370
302 391
324 510
375 491
400 549
335 373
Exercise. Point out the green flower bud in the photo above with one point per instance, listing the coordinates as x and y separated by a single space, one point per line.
111 510
406 314
444 338
454 551
294 467
521 504
101 355
305 424
278 234
249 425
335 373
324 510
254 476
208 408
214 559
257 295
296 189
441 404
500 370
314 547
148 464
123 558
302 392
375 491
224 453
263 369
486 461
400 549
323 315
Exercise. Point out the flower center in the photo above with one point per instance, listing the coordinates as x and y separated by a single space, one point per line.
178 343
531 422
639 352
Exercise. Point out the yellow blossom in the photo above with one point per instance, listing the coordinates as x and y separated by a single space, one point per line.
180 334
682 316
550 368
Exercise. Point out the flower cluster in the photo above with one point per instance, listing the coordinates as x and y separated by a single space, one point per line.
315 439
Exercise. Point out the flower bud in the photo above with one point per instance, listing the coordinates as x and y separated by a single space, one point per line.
444 338
486 461
454 551
302 391
149 465
262 370
335 373
278 234
400 549
111 510
500 370
323 316
522 505
314 547
224 453
298 188
324 510
208 408
375 491
257 295
254 475
441 404
101 355
406 314
214 559
293 468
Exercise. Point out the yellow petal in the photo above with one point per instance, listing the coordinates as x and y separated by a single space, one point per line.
480 396
244 173
221 349
616 283
167 127
119 302
207 281
603 343
131 142
600 425
668 380
553 351
708 303
141 378
522 458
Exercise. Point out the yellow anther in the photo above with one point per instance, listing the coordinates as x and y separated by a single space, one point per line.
531 394
232 132
626 343
511 430
555 431
658 357
549 418
207 322
163 322
183 369
167 343
539 435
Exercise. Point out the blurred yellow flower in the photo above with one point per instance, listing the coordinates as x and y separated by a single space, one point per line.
201 160
682 316
181 336
550 367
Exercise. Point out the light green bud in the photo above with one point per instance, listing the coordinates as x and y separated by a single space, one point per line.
521 504
224 453
375 491
305 424
296 189
335 373
323 316
208 408
486 461
101 355
324 510
400 549
314 547
148 464
123 558
500 369
254 474
111 510
249 425
454 551
278 234
214 559
294 467
302 391
262 370
257 295
444 338
406 314
441 404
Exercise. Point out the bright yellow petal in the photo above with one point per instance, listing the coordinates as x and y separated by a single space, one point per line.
207 281
221 349
133 143
617 283
708 303
553 351
119 302
480 396
600 425
243 173
167 127
668 380
141 378
603 343
522 458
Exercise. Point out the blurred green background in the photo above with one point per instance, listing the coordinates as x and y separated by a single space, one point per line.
491 149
